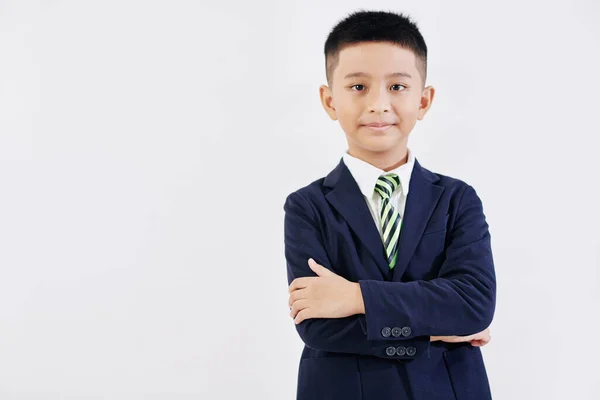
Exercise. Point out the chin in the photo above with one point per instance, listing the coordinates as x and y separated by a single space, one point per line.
378 143
376 149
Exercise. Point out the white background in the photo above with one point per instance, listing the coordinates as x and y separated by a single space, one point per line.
146 150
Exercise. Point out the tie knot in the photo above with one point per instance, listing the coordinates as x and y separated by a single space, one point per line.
386 184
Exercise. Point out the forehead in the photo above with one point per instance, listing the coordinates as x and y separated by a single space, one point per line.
375 58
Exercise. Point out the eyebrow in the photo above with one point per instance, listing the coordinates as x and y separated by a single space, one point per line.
392 75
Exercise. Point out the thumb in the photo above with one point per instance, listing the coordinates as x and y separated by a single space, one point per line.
319 269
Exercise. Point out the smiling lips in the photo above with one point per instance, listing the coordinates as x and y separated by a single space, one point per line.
378 126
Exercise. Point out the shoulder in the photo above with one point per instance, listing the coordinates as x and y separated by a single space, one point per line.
454 184
305 196
458 189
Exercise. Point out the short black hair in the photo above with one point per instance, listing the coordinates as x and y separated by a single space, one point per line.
375 26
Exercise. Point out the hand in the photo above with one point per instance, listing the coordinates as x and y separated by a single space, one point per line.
326 295
478 339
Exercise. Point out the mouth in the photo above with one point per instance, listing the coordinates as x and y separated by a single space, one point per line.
378 127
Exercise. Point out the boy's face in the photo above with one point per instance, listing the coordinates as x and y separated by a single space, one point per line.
363 92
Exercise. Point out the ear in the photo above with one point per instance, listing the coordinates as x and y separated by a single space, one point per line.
327 101
426 100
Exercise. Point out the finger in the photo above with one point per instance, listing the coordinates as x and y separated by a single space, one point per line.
485 336
453 339
298 306
297 295
299 283
318 268
302 315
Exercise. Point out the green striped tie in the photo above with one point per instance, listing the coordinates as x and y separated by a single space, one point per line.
390 219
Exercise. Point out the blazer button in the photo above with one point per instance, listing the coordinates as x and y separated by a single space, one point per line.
406 331
385 332
396 332
401 350
390 351
411 351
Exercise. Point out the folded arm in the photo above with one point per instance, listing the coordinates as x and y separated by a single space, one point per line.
303 240
461 301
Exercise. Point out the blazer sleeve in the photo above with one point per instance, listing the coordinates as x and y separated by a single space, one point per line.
460 301
303 240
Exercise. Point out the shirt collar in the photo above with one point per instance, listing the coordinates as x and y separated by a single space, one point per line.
366 175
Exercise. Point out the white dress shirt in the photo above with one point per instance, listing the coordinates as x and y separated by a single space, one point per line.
366 176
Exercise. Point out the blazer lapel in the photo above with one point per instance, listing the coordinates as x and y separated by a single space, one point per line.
420 203
348 200
346 197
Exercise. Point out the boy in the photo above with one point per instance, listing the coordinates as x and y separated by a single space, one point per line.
392 281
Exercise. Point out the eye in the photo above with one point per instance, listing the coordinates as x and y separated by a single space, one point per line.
363 86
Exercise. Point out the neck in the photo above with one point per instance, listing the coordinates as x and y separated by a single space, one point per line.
385 161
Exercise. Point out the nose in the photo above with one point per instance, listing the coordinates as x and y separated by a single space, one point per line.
380 101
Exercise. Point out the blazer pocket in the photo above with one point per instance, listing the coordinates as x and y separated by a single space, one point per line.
438 225
467 373
332 378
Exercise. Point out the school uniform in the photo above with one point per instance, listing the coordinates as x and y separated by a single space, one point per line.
428 272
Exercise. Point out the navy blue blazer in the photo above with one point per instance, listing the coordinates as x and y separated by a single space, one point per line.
443 284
